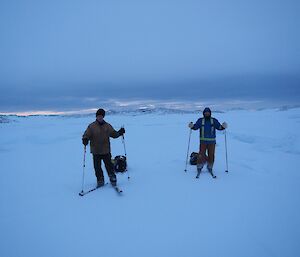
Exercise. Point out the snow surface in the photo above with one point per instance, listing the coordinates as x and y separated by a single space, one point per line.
253 211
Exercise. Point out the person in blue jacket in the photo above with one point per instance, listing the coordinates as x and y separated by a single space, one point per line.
207 126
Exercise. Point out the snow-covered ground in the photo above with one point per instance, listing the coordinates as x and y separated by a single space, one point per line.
253 211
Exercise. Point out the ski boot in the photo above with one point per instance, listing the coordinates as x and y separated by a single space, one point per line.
100 183
113 181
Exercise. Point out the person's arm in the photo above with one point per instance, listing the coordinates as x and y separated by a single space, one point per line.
197 125
116 134
86 136
218 126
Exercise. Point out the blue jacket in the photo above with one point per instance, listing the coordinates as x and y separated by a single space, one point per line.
207 129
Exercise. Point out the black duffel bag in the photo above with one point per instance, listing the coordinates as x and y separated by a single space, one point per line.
193 158
120 163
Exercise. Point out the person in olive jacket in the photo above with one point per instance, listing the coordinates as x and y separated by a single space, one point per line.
98 134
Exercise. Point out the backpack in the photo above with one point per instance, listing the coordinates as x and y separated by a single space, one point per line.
193 158
120 163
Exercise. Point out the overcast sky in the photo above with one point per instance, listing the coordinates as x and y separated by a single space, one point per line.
76 53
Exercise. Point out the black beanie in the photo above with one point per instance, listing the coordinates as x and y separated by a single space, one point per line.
100 112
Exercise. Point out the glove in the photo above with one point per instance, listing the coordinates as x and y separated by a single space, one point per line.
224 125
85 141
121 131
191 124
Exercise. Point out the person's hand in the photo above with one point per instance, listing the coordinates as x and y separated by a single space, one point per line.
224 125
121 131
85 141
191 124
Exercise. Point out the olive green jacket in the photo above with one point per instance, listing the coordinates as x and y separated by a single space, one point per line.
98 135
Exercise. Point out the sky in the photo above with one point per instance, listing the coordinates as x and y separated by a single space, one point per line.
74 54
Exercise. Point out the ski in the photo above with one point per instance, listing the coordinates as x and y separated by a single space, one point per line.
82 193
210 172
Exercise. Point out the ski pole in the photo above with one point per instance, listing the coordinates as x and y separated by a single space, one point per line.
226 152
187 154
123 141
83 169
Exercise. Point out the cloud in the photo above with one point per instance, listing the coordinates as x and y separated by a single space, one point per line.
67 54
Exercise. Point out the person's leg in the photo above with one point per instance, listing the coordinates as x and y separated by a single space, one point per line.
98 169
211 156
202 158
110 169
